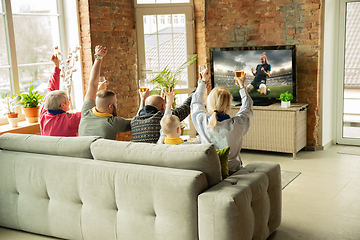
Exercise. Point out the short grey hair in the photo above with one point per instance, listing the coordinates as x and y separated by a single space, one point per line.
54 99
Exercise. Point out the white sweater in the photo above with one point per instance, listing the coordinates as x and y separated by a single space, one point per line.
228 132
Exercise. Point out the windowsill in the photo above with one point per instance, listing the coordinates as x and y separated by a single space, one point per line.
23 127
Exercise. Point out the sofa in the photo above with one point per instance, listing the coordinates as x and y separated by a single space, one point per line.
92 188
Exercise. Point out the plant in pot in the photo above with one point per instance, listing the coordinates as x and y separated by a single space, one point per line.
30 103
168 79
10 105
285 99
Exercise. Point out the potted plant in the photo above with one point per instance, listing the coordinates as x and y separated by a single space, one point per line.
285 99
10 105
168 79
30 103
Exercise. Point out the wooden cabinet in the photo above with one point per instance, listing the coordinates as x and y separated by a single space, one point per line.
273 128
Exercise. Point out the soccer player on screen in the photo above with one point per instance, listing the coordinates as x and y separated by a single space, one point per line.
261 73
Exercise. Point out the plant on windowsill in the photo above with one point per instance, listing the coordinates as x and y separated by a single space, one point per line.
10 105
285 99
168 79
30 103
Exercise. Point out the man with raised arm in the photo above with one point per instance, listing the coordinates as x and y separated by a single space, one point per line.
98 114
145 126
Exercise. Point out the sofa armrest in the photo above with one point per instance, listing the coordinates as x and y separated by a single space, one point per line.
246 205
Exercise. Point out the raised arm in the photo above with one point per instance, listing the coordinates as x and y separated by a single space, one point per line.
143 97
246 110
54 81
169 96
100 52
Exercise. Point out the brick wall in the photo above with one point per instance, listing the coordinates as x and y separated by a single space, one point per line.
111 24
218 23
234 23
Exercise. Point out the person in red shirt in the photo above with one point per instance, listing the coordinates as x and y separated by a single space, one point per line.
54 119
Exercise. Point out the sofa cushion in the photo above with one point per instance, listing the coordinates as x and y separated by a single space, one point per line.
224 161
62 146
201 157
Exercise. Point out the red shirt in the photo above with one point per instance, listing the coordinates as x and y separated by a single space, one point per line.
64 124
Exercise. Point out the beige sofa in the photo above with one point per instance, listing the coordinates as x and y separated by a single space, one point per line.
90 188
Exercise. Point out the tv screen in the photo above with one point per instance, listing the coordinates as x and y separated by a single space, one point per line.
281 66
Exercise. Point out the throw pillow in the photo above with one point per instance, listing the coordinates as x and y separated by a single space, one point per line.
224 157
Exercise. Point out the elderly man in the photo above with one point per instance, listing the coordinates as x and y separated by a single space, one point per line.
145 126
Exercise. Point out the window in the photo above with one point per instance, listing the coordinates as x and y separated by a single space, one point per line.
166 43
29 31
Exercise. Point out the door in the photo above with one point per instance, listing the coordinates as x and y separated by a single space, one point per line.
348 109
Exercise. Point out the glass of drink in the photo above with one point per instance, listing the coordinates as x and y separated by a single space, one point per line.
142 86
101 80
239 74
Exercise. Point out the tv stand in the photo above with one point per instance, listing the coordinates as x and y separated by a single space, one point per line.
261 103
273 128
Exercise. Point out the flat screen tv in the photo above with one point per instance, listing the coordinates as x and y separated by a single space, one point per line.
282 61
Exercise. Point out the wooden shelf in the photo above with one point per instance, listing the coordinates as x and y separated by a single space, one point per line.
23 127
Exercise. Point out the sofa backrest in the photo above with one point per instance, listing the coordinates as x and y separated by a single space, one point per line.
62 146
201 157
78 198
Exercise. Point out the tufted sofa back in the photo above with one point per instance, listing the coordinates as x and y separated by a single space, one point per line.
79 198
61 146
201 157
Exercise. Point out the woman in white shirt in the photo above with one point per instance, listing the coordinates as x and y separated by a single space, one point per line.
219 128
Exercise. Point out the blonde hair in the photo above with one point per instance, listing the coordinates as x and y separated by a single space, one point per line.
218 101
169 123
264 55
54 99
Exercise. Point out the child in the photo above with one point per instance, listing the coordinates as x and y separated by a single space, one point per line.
54 119
170 124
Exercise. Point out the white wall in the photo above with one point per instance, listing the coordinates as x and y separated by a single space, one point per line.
327 82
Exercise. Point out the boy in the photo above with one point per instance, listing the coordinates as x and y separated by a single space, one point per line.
54 119
170 124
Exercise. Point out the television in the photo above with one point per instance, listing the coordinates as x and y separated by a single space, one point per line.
282 61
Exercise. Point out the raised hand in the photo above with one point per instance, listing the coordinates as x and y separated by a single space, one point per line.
102 85
206 75
170 96
144 95
100 50
55 60
241 81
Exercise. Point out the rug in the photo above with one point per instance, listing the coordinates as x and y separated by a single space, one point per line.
287 177
350 150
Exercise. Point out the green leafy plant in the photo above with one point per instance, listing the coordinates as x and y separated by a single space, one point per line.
286 96
31 99
10 103
168 79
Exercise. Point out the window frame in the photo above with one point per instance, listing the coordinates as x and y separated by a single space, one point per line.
69 35
165 9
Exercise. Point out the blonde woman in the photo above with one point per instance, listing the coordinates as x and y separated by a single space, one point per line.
261 73
218 127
